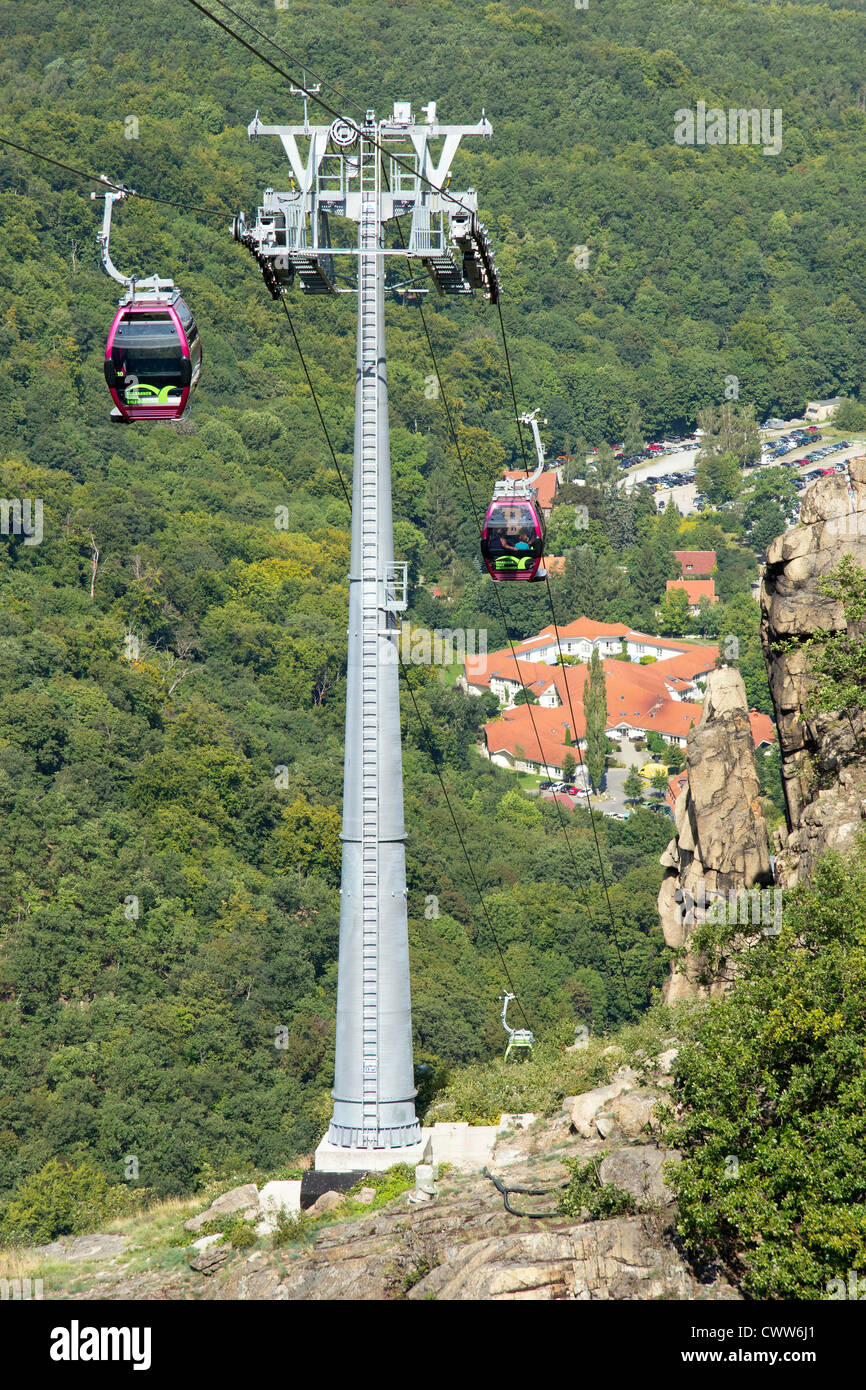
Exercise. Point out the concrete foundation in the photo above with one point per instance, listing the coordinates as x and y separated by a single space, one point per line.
332 1158
280 1196
468 1148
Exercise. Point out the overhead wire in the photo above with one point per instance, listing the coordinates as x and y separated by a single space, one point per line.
444 398
305 68
314 96
101 178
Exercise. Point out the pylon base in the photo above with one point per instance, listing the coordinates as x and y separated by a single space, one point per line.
332 1158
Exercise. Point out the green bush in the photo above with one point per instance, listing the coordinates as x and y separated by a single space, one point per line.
588 1198
771 1102
62 1200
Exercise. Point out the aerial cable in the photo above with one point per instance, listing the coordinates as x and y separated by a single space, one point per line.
438 772
316 404
337 115
291 56
564 670
111 183
513 392
444 398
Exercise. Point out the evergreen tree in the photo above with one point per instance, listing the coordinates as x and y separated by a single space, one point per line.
595 717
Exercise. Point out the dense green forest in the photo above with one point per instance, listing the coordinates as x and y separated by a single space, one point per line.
168 895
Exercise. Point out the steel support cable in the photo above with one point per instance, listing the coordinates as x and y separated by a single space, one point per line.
337 115
444 399
508 360
564 670
475 882
293 58
316 404
513 392
119 187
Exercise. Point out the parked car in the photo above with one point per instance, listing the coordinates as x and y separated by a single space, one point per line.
545 786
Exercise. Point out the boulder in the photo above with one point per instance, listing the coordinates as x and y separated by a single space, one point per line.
329 1201
367 1195
629 1115
237 1199
665 1060
209 1261
205 1242
639 1171
584 1108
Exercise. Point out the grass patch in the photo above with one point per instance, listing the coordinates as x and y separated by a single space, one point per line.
483 1091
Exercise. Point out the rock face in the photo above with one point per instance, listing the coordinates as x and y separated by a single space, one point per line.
721 845
823 756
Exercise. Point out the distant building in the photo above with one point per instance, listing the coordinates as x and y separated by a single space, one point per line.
695 590
554 564
546 487
821 410
696 564
662 696
675 786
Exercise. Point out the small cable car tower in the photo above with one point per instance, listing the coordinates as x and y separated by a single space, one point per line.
367 174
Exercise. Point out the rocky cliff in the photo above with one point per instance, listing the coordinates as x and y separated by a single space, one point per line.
721 845
823 756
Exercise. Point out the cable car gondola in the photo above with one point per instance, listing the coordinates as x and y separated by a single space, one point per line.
512 537
153 354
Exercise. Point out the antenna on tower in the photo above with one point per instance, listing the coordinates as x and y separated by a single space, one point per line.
306 93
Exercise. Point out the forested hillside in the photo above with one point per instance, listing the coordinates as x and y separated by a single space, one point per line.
168 898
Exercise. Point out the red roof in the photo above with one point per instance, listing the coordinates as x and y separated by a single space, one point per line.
763 728
697 661
696 589
545 486
675 786
540 732
696 562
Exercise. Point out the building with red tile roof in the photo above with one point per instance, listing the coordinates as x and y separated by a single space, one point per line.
554 564
695 563
545 487
675 786
695 590
763 728
660 696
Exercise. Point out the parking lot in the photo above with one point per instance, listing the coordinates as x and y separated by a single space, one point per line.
683 461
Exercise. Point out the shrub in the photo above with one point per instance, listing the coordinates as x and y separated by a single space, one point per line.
61 1200
771 1096
588 1198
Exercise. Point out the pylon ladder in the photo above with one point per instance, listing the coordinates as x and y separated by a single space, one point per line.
369 311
